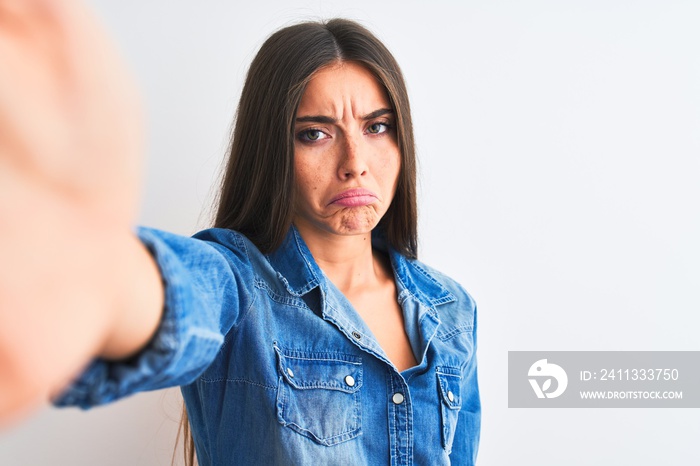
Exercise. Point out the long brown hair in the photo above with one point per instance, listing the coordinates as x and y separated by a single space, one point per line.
258 185
257 189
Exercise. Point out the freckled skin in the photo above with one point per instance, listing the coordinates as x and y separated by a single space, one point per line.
350 151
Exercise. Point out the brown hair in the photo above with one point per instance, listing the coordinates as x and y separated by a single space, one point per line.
258 185
257 189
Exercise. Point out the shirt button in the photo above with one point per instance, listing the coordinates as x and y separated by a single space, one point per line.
356 335
450 396
290 372
350 380
397 398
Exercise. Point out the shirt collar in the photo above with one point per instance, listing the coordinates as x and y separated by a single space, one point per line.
295 265
413 276
300 273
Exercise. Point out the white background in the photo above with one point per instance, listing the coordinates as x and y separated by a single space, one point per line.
560 177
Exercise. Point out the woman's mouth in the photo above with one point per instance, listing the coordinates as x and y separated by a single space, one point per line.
355 197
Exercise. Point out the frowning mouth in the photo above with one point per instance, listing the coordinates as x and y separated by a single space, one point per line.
355 197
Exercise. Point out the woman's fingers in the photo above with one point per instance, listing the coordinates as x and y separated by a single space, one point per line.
69 114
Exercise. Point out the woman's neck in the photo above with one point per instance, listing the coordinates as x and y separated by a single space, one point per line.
347 260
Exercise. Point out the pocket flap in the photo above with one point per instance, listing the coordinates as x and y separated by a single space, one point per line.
449 382
327 370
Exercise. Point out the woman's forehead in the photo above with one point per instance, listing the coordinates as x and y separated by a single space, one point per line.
343 89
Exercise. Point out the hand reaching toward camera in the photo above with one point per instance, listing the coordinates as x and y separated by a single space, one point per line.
69 117
74 281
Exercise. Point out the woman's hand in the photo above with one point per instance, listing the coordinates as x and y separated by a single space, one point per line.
73 279
69 119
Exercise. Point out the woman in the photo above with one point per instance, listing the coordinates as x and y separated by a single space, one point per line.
301 328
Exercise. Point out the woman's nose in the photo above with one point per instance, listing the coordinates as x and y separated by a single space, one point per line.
353 160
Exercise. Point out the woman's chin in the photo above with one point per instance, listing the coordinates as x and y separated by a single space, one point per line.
355 223
346 222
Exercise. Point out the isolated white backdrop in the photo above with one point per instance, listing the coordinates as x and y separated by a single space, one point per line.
559 146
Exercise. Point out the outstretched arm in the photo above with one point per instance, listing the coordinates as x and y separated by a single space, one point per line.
75 282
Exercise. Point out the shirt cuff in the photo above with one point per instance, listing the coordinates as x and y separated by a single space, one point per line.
182 347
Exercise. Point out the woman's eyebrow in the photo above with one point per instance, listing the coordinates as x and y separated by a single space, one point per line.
330 120
316 119
377 113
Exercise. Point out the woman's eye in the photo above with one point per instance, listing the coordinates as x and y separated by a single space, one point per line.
311 135
377 128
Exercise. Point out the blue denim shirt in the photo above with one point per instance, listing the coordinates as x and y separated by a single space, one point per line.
276 366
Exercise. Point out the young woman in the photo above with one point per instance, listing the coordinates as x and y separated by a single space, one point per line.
301 328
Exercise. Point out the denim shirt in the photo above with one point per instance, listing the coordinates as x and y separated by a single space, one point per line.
276 366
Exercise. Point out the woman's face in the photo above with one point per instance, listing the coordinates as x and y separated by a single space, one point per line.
346 156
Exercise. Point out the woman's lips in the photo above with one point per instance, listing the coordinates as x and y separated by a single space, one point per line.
355 197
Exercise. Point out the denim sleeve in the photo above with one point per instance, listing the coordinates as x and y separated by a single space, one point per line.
467 435
205 280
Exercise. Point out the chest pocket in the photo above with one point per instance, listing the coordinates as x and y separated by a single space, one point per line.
319 394
449 383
